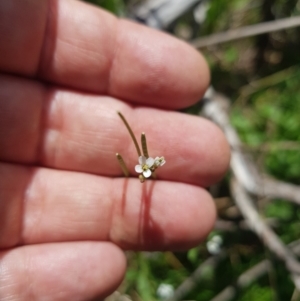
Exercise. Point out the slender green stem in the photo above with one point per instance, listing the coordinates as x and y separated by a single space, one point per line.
131 134
123 165
144 145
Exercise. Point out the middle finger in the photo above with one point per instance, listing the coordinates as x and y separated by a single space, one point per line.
82 132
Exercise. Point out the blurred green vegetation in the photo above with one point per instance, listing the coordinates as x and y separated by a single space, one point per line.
261 75
115 6
268 122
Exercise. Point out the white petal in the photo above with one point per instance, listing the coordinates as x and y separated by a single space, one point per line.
138 169
159 161
142 160
150 161
147 173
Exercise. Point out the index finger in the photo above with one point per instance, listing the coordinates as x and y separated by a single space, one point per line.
76 45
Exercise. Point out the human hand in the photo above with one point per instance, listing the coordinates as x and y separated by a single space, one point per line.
66 212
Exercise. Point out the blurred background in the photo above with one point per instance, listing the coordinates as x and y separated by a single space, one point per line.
255 67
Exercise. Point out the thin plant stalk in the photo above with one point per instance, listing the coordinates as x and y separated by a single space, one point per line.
144 145
123 165
131 134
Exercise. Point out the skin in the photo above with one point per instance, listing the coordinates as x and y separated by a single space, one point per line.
67 213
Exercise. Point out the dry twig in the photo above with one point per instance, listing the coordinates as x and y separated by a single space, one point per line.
247 31
192 281
244 280
247 179
242 164
251 275
161 13
269 238
268 81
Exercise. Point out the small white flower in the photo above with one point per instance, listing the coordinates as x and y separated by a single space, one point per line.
144 166
165 291
214 244
159 161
